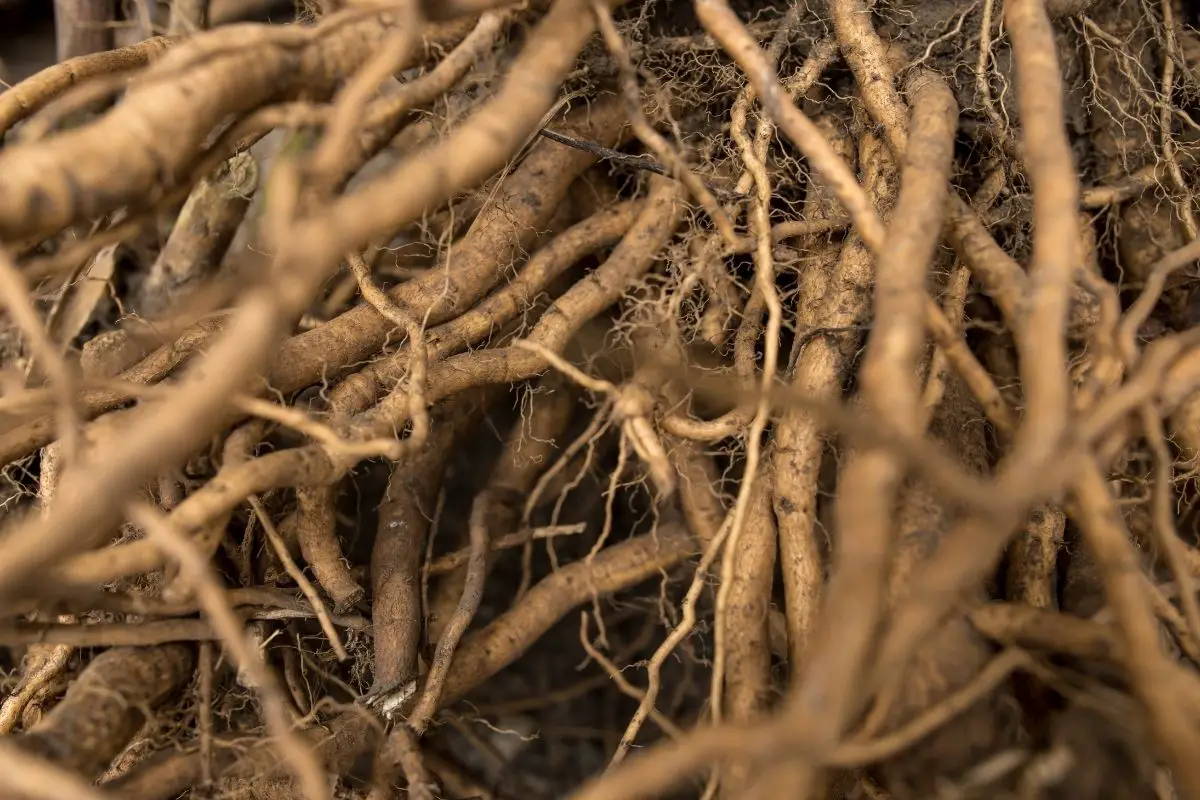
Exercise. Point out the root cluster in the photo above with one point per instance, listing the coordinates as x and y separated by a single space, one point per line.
602 399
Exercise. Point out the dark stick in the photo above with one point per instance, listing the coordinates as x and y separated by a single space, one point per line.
643 162
624 159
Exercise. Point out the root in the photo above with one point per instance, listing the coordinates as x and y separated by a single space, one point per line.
43 664
744 615
404 521
524 206
513 486
891 391
203 232
357 352
35 93
281 552
314 530
79 164
617 567
1032 559
244 652
106 706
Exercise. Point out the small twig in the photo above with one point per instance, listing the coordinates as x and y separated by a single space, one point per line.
452 561
642 162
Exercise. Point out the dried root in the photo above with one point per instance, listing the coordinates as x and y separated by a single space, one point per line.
349 364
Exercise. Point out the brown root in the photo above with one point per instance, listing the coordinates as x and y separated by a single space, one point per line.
373 351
